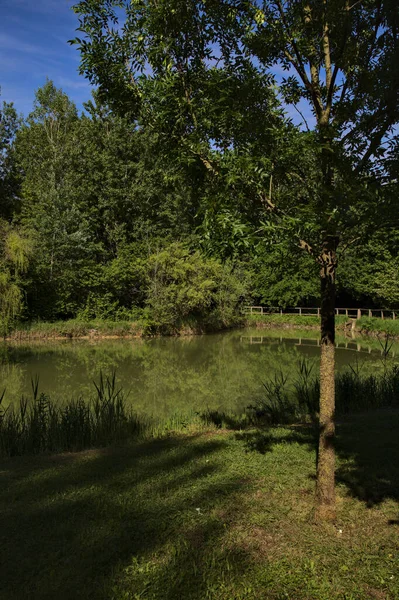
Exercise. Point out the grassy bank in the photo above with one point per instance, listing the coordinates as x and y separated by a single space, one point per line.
220 515
289 321
375 326
98 329
365 326
75 328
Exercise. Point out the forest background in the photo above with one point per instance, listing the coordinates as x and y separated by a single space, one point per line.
101 218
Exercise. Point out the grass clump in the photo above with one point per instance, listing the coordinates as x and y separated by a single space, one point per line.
297 400
39 425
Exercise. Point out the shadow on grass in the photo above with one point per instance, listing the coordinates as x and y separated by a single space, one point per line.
367 448
118 523
263 440
368 452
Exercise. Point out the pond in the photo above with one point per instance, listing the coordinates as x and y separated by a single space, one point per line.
165 376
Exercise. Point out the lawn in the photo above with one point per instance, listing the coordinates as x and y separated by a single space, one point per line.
219 515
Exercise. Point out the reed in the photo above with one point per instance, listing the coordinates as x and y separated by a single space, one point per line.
38 425
296 400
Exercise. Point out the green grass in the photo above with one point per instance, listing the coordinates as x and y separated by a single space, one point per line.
365 325
293 321
75 328
375 326
97 328
221 515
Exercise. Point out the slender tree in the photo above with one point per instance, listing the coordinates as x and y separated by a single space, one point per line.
208 75
9 124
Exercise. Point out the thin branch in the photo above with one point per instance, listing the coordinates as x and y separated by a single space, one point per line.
297 63
303 118
353 5
327 54
314 72
374 144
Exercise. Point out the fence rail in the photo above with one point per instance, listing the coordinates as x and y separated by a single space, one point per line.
350 313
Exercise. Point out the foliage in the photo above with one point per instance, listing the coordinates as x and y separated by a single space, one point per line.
283 278
183 285
101 196
15 253
372 271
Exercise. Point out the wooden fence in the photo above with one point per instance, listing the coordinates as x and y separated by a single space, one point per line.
350 313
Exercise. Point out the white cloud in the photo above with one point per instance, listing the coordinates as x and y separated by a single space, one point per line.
74 84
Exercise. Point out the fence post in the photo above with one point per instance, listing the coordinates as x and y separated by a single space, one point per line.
318 312
393 315
300 311
261 310
281 311
382 315
370 314
359 313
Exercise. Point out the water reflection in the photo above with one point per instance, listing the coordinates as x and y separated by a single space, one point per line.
356 346
221 371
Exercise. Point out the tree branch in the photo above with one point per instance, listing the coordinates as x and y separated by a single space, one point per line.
303 118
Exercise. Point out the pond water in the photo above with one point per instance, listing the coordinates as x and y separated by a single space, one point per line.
165 376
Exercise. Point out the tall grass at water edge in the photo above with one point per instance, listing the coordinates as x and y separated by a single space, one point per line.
39 425
295 399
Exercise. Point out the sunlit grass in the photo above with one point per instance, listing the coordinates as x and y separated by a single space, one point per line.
275 320
76 328
375 325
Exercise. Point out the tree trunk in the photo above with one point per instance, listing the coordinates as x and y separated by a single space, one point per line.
325 487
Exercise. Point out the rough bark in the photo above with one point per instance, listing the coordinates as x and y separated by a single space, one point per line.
325 487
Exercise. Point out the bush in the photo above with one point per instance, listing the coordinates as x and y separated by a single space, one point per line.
187 287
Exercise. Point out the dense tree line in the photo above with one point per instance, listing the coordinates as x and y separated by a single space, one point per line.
102 218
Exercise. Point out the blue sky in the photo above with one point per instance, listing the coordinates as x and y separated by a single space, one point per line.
34 45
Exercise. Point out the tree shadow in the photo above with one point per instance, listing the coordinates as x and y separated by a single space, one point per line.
111 523
368 452
263 440
367 447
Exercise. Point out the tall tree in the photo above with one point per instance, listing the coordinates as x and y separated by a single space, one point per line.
203 73
9 124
